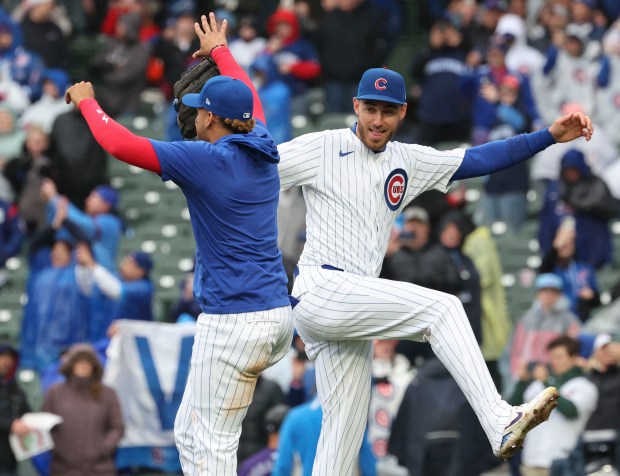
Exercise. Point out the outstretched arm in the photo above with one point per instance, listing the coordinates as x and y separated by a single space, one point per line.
213 43
114 138
499 155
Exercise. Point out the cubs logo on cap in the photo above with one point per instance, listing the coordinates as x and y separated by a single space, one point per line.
382 84
395 187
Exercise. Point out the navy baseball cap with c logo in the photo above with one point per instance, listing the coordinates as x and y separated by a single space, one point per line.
224 96
382 84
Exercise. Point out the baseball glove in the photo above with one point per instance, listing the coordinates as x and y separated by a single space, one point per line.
192 81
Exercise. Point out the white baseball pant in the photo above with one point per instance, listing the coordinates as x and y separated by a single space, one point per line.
338 317
229 353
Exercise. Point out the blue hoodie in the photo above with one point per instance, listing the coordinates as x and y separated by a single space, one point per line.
593 237
232 189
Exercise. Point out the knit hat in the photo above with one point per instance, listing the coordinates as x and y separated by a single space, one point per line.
548 281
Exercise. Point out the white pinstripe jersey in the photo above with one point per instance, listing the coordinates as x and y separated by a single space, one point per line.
353 195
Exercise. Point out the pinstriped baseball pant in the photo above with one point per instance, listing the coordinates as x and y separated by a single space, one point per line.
338 317
229 353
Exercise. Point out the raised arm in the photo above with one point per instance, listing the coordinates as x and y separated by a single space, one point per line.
213 43
498 155
115 139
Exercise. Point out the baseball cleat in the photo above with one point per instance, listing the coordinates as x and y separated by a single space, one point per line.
525 418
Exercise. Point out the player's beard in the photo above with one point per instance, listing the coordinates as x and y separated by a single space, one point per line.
374 145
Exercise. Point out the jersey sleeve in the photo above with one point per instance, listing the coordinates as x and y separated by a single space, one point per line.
184 162
300 160
430 168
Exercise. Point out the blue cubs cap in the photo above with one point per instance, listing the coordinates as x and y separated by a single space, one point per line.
224 96
382 84
108 194
548 281
143 260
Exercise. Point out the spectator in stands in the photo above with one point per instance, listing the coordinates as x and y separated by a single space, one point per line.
583 15
505 196
430 406
254 436
460 276
12 233
551 20
52 102
520 56
607 105
132 291
444 110
275 94
485 81
496 326
548 318
248 45
585 198
98 223
121 65
23 66
604 372
391 375
578 399
570 71
579 278
295 57
92 426
148 30
175 51
42 35
299 438
13 405
261 463
80 161
26 174
411 251
57 315
11 137
366 45
186 305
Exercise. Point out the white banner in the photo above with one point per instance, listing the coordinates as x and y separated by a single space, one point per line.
148 364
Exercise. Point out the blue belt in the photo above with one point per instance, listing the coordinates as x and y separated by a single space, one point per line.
324 266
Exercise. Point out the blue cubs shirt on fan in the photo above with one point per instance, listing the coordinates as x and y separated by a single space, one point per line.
232 189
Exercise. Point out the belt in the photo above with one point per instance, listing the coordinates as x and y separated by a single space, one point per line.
324 266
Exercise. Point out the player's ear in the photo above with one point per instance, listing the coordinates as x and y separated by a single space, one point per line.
356 106
403 111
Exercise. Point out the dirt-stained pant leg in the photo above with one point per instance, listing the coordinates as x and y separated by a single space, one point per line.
230 351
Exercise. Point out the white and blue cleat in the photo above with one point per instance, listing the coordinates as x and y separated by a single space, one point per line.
525 418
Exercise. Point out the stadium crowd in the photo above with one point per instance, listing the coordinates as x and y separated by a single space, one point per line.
488 70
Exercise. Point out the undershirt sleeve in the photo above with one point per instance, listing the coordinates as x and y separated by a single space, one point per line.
117 140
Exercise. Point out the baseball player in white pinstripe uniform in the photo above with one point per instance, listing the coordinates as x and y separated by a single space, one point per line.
355 183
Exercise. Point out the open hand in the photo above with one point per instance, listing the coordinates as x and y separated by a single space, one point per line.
571 126
78 92
210 35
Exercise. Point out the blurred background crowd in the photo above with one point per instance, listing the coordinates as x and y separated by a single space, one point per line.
531 252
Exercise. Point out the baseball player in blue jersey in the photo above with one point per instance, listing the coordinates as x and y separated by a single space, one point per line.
355 182
230 179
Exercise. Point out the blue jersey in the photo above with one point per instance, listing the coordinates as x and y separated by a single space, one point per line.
232 190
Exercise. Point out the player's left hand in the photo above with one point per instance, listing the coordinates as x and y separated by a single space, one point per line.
78 92
571 127
210 35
